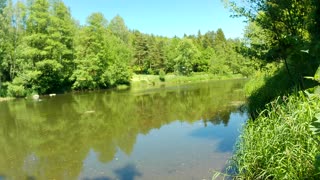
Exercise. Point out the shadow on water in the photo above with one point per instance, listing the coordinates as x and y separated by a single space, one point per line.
128 172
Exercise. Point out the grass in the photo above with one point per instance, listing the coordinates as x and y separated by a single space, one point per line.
271 82
279 143
5 99
142 81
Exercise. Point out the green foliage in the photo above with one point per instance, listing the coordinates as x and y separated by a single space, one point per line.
3 89
44 50
188 54
116 74
16 88
315 91
279 31
49 76
278 144
119 29
92 57
162 75
267 85
103 62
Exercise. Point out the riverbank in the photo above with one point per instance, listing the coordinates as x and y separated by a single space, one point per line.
279 143
145 81
6 99
142 81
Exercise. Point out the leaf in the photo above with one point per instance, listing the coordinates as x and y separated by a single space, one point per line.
317 75
317 90
317 163
309 77
315 124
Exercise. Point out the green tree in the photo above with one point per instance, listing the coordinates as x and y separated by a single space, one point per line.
118 27
141 52
119 58
92 56
39 72
219 40
102 57
62 31
208 39
188 54
171 52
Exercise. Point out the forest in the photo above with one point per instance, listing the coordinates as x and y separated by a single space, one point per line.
43 50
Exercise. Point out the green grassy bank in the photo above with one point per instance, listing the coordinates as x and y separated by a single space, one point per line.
5 98
279 143
143 81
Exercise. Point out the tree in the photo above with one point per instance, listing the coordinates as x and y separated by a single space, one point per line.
37 70
119 58
171 52
188 53
62 34
286 26
91 53
208 39
118 28
141 52
102 57
46 49
219 41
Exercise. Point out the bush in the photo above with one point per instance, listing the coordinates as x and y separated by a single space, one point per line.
3 90
15 90
162 75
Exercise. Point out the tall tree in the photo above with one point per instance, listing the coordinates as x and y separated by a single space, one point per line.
91 53
171 52
219 40
62 33
141 52
188 53
117 27
2 40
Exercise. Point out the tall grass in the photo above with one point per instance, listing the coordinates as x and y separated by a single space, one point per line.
279 144
268 84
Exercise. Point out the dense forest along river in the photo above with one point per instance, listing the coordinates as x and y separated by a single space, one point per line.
180 132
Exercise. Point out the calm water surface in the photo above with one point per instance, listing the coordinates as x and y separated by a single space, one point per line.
180 132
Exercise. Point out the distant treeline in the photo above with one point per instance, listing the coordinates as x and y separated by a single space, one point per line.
43 49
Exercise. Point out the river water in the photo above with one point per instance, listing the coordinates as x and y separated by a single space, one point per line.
177 132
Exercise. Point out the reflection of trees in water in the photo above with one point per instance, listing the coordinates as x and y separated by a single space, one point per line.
61 131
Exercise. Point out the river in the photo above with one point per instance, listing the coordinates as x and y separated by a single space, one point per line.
177 132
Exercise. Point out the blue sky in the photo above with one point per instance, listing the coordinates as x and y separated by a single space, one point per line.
163 17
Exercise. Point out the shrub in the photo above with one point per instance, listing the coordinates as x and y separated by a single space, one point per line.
15 90
3 90
162 75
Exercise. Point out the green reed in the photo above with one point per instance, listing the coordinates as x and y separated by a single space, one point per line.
279 143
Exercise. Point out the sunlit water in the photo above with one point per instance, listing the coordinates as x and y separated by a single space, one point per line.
181 132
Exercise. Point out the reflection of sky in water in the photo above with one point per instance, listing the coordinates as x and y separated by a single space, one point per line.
178 150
